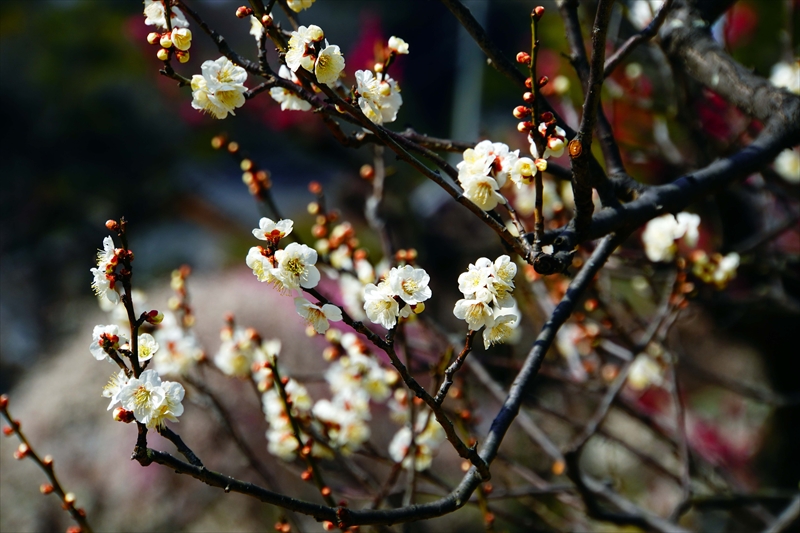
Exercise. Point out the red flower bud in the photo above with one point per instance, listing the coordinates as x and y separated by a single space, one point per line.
243 12
521 112
527 97
543 81
524 58
528 83
537 12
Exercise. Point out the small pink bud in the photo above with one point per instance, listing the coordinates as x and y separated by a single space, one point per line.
22 451
537 13
543 81
45 488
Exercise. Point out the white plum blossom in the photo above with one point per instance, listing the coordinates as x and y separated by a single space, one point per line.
644 372
787 164
269 230
786 75
329 64
317 316
555 144
180 350
220 89
115 384
147 347
289 101
503 327
378 96
476 313
236 353
155 15
726 269
410 284
261 265
357 371
661 233
398 45
105 336
256 28
380 305
482 191
182 38
427 441
151 400
295 267
299 5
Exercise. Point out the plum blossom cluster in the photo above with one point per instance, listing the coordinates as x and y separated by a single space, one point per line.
428 437
378 96
306 51
553 139
663 236
355 378
220 88
398 296
291 268
151 400
488 302
175 36
486 168
108 343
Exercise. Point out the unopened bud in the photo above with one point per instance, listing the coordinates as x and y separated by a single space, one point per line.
315 187
378 67
306 475
266 20
8 431
217 142
123 415
182 56
527 97
163 54
366 172
153 37
558 468
328 526
521 112
48 460
547 116
3 401
541 164
45 488
155 317
69 498
528 83
246 164
418 308
22 451
523 58
244 12
74 529
325 491
543 81
165 41
112 225
525 126
537 12
233 147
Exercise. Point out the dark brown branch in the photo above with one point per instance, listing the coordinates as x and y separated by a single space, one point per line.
453 368
580 153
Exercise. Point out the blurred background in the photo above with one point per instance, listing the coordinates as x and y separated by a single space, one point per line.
91 131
